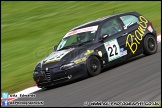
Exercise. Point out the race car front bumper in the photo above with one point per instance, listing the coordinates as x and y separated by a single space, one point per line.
55 76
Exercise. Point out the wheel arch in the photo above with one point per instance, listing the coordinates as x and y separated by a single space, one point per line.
143 42
150 34
99 58
146 36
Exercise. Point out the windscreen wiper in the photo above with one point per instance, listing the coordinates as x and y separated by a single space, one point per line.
72 45
84 42
75 44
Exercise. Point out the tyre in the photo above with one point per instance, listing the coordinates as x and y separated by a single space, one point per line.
93 66
150 45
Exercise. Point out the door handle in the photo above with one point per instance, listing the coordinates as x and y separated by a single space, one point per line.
124 34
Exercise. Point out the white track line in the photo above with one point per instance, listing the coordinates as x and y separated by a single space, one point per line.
35 88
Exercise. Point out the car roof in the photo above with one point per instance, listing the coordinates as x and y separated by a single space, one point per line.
98 21
91 23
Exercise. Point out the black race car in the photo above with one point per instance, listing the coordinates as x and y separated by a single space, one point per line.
90 47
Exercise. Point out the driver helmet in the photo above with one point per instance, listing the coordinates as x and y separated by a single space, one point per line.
81 37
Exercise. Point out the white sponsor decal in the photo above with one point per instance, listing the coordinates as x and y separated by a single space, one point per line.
56 56
92 28
123 53
150 29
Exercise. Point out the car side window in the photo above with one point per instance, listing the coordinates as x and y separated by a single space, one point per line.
110 27
128 20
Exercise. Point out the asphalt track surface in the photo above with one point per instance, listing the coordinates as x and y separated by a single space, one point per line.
136 80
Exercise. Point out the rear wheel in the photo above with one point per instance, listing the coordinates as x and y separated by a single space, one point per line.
150 45
93 66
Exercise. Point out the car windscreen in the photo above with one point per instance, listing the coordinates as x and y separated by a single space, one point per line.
77 37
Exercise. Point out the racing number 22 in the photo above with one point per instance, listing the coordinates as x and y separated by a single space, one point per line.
111 50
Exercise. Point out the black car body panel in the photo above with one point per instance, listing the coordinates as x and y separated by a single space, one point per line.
116 39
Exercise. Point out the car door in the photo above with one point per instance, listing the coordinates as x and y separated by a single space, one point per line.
132 43
112 33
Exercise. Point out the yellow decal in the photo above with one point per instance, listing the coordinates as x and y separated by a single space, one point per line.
88 52
80 60
51 61
138 35
100 53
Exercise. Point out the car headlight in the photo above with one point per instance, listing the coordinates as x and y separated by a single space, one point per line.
36 73
66 66
37 69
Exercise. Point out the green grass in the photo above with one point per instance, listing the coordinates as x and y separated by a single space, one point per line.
29 31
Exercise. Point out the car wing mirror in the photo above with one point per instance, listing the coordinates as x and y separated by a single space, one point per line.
104 36
55 48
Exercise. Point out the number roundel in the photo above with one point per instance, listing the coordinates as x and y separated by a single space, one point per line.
112 49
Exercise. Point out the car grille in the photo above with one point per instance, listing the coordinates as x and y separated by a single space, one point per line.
48 75
59 75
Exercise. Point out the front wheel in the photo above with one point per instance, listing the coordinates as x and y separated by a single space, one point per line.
93 66
150 45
